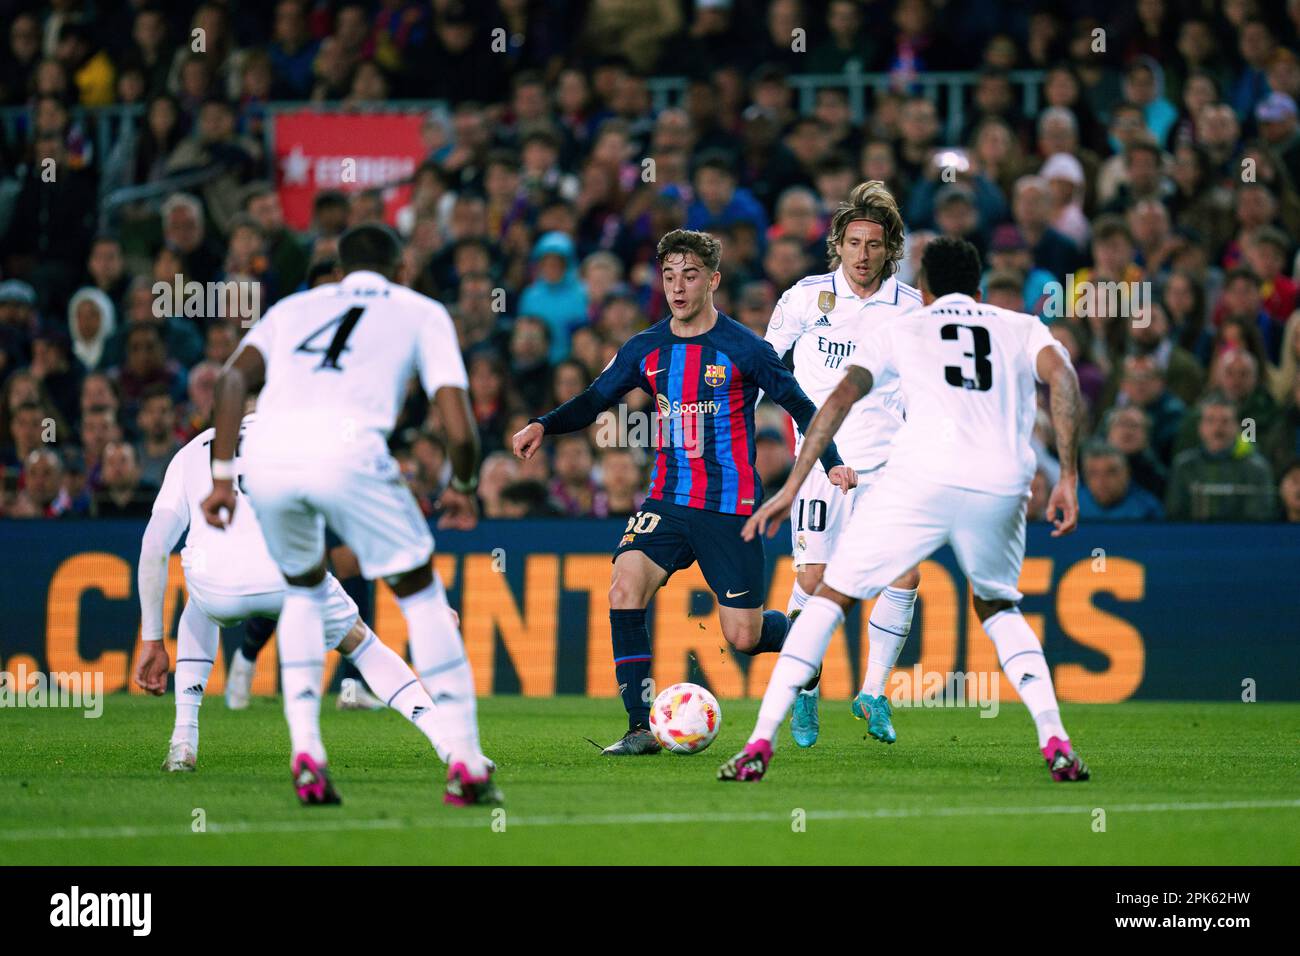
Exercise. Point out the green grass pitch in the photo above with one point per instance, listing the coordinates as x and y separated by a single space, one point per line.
1179 783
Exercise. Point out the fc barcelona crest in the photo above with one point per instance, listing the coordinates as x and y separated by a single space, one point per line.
825 302
715 375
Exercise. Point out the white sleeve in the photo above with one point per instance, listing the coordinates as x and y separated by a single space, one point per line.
259 336
160 536
787 322
171 496
876 353
439 353
1040 338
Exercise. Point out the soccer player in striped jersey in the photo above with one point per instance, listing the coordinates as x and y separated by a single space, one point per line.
824 318
704 370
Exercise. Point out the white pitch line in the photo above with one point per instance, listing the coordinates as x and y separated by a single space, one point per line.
475 821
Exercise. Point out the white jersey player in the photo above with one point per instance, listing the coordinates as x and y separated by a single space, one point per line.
336 361
958 474
825 318
230 578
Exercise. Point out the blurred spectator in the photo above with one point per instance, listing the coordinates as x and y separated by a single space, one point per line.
287 255
1221 479
572 490
1107 492
146 363
1142 386
526 498
158 444
530 370
122 494
1235 375
557 296
42 493
622 484
1032 211
1064 175
1128 431
185 232
719 201
180 336
53 367
499 469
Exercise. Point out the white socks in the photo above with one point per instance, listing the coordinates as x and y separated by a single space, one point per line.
891 622
197 642
393 682
1022 660
805 646
438 653
301 633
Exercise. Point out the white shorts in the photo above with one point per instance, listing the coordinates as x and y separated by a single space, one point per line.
365 504
227 610
902 520
820 513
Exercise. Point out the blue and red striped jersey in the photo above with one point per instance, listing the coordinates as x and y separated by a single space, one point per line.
705 388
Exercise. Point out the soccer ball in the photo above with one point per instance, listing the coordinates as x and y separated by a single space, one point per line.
685 718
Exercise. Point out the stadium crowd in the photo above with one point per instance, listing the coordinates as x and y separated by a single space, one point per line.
1167 160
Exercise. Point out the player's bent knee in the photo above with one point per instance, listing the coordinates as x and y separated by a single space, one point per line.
809 576
845 602
626 592
742 628
308 579
411 582
352 640
986 609
909 580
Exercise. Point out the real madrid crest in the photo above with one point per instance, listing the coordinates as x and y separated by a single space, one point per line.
825 302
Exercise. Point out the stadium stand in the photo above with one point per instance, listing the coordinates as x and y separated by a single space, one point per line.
1136 184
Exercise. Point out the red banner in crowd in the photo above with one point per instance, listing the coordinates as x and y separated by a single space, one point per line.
349 152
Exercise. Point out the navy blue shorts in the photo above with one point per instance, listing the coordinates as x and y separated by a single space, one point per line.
675 537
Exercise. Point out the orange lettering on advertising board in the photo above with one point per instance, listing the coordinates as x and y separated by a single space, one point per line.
89 571
1105 633
489 608
591 573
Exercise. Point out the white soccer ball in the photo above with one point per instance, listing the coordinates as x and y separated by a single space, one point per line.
685 718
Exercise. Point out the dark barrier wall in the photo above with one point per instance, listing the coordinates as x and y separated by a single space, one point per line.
1126 611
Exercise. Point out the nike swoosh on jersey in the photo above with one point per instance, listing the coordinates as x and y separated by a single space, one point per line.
738 593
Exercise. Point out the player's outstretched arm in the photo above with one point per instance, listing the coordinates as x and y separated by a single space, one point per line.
856 383
245 372
160 536
459 506
1067 404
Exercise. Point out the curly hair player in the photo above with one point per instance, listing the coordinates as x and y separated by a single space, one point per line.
958 474
823 318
